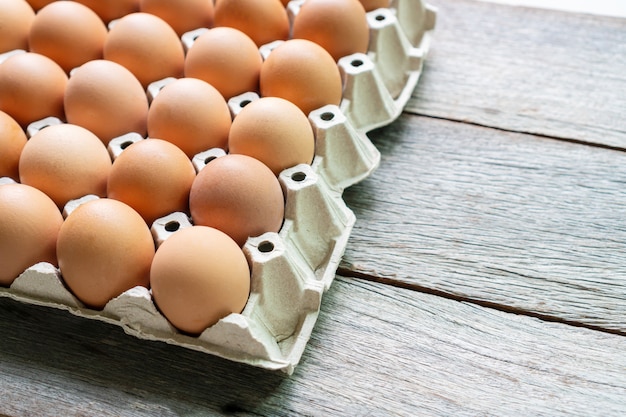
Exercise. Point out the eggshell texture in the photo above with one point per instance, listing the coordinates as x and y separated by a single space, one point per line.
12 141
69 33
152 176
211 59
65 162
29 226
370 5
104 248
264 21
109 10
191 114
274 131
16 17
147 46
198 276
107 99
302 72
339 26
182 15
31 87
238 195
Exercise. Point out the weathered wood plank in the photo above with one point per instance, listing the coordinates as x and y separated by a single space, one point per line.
529 70
511 219
376 350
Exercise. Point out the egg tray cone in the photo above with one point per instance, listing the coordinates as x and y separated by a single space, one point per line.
293 268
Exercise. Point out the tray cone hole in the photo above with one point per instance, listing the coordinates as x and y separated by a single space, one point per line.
298 176
380 17
172 226
327 116
356 63
266 246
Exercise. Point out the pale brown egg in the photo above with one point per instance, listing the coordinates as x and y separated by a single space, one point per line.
211 58
104 248
16 17
107 99
152 176
109 10
199 275
29 226
31 87
302 72
182 15
264 21
274 131
66 162
69 33
339 26
191 114
370 5
238 195
12 141
147 46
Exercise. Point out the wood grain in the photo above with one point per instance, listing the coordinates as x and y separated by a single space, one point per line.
525 223
527 70
377 350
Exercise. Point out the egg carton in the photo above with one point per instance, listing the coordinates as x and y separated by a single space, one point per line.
291 269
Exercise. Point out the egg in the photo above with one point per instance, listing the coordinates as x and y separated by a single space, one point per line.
107 99
29 226
147 46
198 276
264 21
302 72
211 59
32 87
66 162
339 26
274 131
370 5
182 15
238 195
38 4
104 248
12 141
69 33
16 17
191 114
109 10
152 176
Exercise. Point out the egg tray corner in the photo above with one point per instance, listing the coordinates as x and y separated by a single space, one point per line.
291 269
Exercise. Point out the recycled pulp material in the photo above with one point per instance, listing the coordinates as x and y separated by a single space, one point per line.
293 268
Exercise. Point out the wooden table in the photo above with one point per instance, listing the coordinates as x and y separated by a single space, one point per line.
486 273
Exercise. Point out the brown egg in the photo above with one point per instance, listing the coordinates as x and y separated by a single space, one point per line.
182 15
66 162
107 99
370 5
12 141
199 275
31 87
211 59
152 176
339 26
16 17
38 4
29 225
302 72
104 248
69 33
274 131
109 10
191 114
264 21
147 46
238 195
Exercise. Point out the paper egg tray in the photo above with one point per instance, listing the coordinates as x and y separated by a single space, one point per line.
290 270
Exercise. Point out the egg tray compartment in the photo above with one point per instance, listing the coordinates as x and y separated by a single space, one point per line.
291 269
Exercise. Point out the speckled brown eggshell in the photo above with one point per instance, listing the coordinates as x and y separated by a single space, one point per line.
238 195
104 248
29 226
199 275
